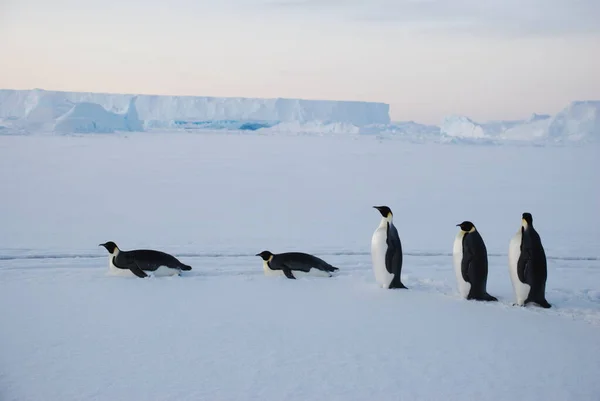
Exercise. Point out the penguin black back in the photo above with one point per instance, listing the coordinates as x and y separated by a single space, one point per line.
532 266
474 265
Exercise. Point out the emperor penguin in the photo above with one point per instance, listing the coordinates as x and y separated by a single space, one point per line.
295 265
386 251
527 265
142 262
471 263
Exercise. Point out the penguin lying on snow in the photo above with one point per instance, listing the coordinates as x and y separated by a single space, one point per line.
295 264
471 263
143 262
386 251
527 265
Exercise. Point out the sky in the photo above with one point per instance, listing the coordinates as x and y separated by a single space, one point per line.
489 60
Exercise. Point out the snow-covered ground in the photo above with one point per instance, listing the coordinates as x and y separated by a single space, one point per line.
225 332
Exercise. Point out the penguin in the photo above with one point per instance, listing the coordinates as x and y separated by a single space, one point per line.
386 251
294 265
471 263
142 262
527 265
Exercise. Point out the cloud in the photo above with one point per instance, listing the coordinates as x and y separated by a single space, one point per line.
476 17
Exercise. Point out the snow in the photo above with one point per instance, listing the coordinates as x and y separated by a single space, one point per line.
225 331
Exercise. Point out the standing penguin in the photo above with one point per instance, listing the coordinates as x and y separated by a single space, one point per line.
471 263
527 265
386 251
142 262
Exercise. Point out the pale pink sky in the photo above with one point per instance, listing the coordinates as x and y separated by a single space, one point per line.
492 59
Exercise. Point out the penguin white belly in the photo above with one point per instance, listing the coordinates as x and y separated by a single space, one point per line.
457 254
311 273
514 251
378 251
271 273
163 271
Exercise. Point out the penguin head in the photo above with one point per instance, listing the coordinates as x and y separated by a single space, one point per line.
110 246
466 226
265 255
527 219
385 211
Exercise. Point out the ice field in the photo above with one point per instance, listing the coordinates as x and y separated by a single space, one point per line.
224 331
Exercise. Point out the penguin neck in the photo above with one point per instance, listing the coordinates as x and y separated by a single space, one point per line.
114 253
385 220
462 233
266 266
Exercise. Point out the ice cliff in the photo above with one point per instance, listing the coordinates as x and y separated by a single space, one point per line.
38 109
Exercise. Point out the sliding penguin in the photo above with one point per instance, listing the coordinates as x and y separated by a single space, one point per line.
295 265
471 263
142 262
527 265
386 251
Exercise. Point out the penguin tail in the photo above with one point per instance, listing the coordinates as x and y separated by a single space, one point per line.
185 267
482 297
488 297
396 283
542 303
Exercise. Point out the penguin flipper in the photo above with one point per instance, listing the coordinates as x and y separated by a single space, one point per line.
393 255
288 273
466 260
135 269
128 263
464 266
522 267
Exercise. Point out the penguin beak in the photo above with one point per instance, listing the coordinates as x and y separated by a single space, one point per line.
258 254
458 225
